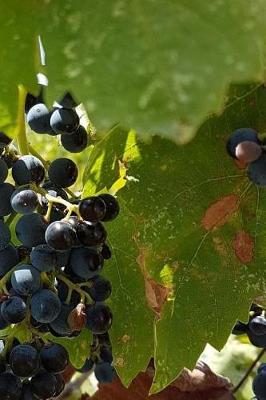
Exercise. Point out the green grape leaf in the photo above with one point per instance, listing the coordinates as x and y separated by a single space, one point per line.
158 68
78 347
190 231
19 331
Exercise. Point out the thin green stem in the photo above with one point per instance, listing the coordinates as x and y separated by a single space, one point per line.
10 219
73 287
49 210
59 200
21 128
71 193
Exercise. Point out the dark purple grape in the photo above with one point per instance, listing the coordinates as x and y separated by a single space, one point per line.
92 209
60 235
112 207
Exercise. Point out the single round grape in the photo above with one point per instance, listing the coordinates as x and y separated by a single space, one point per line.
76 142
10 386
14 310
60 325
8 259
60 235
24 360
4 140
239 136
257 340
112 207
248 151
257 171
24 201
38 118
28 169
30 230
92 209
64 120
257 325
43 385
104 372
101 289
3 171
43 258
26 279
63 172
5 235
6 190
85 262
90 234
240 328
45 306
54 357
259 386
99 318
106 252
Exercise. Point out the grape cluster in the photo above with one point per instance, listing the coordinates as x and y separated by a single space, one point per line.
62 120
51 284
255 329
245 146
32 371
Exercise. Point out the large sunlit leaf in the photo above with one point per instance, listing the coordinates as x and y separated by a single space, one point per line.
191 220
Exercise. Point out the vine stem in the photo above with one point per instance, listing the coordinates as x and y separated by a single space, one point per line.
10 219
248 372
73 287
21 128
51 199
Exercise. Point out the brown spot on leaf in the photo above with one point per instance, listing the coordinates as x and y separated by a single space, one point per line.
243 246
156 294
120 362
125 339
219 212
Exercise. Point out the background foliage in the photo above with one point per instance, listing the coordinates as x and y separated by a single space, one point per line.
189 244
